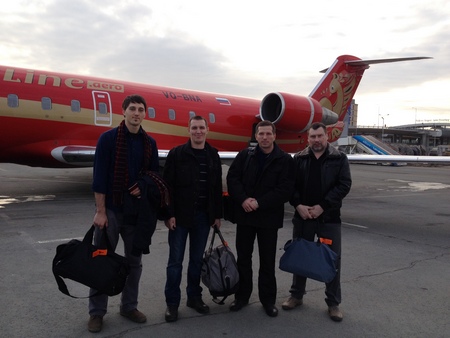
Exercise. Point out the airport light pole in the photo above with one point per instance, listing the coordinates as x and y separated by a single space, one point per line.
415 115
382 128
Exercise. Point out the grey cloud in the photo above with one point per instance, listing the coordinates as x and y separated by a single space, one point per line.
74 36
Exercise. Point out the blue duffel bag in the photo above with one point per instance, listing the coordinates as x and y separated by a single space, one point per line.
309 259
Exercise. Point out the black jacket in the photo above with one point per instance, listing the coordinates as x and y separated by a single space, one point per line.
336 182
181 172
272 188
143 212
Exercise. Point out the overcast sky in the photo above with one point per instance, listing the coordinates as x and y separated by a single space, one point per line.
245 48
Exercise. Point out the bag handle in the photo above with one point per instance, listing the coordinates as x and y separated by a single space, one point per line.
217 231
90 235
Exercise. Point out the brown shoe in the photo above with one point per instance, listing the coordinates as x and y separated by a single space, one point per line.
335 314
134 315
292 303
95 323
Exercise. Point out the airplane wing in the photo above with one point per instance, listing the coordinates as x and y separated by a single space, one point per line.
83 156
398 159
228 157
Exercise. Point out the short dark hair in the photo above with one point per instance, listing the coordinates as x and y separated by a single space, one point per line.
266 123
317 125
135 98
197 118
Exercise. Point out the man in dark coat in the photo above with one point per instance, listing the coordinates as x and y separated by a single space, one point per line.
322 181
194 173
260 181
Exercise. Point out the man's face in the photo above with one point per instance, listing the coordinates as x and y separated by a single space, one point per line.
134 114
317 140
265 137
198 131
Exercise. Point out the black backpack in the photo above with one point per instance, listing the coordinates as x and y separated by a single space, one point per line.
219 271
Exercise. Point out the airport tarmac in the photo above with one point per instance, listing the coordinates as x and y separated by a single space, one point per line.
395 263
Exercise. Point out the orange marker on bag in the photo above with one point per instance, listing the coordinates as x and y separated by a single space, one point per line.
326 241
100 252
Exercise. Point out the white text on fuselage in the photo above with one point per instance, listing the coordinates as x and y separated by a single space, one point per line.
45 80
186 97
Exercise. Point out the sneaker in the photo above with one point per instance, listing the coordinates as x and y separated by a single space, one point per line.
334 313
291 303
198 305
134 315
95 323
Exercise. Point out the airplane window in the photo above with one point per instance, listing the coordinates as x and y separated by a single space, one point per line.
191 114
151 113
46 103
102 108
75 106
212 118
172 114
13 101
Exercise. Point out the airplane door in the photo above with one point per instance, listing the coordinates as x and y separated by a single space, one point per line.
102 108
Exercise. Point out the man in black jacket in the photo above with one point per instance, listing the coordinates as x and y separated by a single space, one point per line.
260 181
322 181
194 173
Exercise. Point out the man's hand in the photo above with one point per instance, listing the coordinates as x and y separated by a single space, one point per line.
100 219
250 204
303 211
307 212
170 223
217 223
315 211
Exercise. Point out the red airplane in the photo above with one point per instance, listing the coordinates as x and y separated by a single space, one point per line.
50 119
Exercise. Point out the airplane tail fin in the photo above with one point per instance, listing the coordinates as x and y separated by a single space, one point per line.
327 103
337 87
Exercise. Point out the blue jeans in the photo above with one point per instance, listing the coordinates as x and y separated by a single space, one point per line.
198 237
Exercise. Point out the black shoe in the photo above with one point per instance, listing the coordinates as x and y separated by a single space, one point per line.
171 314
198 305
237 304
271 310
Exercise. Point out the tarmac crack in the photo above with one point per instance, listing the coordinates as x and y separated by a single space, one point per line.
410 266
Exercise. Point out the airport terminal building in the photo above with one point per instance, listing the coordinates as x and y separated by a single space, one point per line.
424 138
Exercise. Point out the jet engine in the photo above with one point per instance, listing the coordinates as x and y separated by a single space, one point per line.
293 113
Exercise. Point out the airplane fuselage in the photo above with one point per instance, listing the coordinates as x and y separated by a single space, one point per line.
40 111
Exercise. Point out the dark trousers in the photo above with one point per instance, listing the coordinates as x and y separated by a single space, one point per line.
331 231
267 244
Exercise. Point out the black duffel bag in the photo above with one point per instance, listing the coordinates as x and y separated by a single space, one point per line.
98 268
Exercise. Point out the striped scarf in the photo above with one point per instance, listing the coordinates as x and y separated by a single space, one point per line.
162 187
121 179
